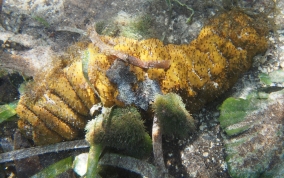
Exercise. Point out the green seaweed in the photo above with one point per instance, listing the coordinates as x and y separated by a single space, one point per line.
264 78
93 160
234 111
100 27
276 76
41 21
7 111
236 131
139 28
142 24
56 168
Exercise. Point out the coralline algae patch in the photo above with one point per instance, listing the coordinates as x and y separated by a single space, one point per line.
199 72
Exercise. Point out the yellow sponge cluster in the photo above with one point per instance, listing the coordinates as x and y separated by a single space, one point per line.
199 72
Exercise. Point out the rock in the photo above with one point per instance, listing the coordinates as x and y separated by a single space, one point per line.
254 135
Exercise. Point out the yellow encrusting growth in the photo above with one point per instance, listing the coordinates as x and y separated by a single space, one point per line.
199 72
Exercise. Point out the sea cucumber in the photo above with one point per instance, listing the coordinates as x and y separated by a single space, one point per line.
57 108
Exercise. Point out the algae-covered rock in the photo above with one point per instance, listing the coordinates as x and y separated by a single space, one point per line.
121 129
254 135
174 118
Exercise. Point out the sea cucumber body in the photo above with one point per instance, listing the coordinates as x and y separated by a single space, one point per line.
199 72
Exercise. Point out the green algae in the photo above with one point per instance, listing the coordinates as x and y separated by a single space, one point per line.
55 169
174 118
7 111
236 131
42 21
121 129
253 134
264 78
233 111
276 76
139 27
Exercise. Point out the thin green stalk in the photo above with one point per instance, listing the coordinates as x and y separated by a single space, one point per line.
184 5
181 4
56 168
93 160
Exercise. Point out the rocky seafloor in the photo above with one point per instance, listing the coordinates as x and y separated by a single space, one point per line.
248 147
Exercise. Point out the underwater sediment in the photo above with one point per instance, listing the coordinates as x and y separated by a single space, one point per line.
57 107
